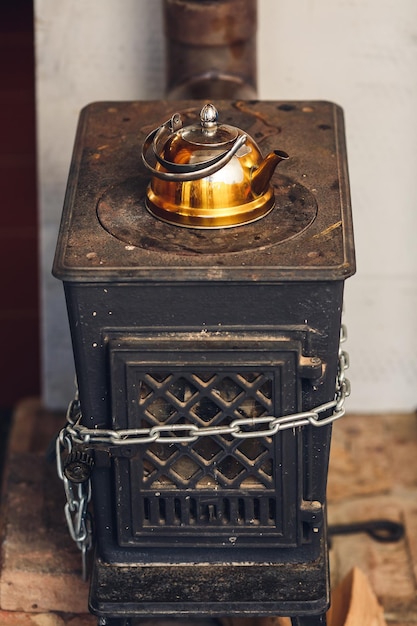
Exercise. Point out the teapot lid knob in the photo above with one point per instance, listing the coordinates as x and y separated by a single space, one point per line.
208 116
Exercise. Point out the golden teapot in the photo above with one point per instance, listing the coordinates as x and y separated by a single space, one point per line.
208 175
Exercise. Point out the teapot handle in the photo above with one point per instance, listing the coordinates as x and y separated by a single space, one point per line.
178 172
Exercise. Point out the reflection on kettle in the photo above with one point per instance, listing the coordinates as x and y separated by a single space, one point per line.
208 175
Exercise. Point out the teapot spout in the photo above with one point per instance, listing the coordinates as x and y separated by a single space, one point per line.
263 174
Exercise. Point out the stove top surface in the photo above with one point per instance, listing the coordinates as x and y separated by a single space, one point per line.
107 232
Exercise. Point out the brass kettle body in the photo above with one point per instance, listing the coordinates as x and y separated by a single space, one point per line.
209 175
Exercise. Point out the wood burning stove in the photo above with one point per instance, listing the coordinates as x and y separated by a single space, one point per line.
209 371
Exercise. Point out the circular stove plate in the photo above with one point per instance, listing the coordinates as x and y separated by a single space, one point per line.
122 212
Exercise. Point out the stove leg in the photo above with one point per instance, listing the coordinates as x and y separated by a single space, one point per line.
309 620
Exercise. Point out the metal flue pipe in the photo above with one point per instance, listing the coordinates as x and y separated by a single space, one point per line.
210 48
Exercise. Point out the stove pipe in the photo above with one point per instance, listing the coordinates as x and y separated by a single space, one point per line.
210 48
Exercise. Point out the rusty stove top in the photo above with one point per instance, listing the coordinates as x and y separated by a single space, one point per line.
109 234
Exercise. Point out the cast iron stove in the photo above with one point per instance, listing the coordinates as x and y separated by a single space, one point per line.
209 371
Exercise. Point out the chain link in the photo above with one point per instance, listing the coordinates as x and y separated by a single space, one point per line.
78 496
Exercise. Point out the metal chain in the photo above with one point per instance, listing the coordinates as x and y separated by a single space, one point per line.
238 428
78 496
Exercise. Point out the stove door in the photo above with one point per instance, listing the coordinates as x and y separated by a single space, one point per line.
220 489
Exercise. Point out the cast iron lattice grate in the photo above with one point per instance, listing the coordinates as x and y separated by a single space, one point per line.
217 479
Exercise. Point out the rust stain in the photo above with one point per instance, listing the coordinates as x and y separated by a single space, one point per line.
262 127
243 107
328 230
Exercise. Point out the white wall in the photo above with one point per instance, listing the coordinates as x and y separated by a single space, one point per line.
359 53
87 50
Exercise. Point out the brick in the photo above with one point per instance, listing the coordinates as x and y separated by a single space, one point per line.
34 428
40 564
12 618
17 618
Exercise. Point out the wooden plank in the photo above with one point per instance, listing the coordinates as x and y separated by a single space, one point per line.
373 454
354 603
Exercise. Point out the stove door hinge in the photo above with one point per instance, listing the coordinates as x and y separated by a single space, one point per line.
311 367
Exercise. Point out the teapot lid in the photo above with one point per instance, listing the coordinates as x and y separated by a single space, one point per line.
167 143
